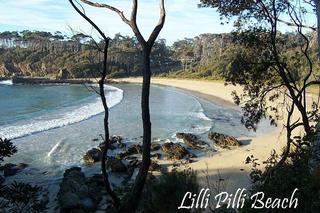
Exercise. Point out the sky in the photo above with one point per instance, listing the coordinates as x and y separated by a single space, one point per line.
184 18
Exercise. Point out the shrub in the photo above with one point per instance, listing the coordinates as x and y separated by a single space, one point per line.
166 193
294 173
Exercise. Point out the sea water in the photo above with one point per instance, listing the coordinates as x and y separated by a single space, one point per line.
54 125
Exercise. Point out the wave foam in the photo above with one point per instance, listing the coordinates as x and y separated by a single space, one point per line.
6 82
113 95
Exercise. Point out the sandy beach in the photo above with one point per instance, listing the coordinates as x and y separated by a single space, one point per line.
228 165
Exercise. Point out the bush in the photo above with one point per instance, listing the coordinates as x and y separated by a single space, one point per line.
294 173
17 196
166 193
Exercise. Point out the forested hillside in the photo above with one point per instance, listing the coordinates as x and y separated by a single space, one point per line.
58 56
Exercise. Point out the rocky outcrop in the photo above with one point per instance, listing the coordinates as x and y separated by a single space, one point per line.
192 140
10 169
155 147
78 193
116 165
222 140
174 151
2 180
154 166
92 156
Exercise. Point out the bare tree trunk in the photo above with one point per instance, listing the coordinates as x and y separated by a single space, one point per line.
317 3
132 203
101 93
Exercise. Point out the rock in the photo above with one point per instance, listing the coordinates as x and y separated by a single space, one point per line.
77 193
116 165
87 204
192 140
92 156
134 163
156 155
174 151
155 147
97 179
1 180
122 155
10 169
222 140
69 200
154 166
134 149
115 139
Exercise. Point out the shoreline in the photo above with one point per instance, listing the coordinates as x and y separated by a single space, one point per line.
228 165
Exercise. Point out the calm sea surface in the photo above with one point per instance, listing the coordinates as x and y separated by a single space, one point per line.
53 125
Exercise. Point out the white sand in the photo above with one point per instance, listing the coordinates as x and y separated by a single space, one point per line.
230 164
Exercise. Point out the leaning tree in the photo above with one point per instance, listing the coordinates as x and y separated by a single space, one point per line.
260 62
132 200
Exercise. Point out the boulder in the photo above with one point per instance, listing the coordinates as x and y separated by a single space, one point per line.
135 163
222 140
116 165
134 149
10 169
2 180
154 166
174 151
192 140
78 193
115 139
92 156
156 155
155 147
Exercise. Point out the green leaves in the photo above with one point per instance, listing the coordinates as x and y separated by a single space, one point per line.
7 149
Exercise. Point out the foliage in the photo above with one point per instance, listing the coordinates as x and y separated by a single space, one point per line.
19 197
22 198
281 183
166 193
7 149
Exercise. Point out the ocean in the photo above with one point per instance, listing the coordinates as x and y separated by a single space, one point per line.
54 125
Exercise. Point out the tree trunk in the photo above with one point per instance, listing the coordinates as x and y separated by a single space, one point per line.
317 3
133 202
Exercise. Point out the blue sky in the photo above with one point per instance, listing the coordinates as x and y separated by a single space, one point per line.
184 18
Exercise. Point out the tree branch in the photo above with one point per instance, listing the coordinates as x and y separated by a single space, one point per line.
120 13
133 24
160 24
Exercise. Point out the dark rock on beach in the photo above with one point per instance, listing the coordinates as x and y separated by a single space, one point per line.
155 147
156 155
192 140
222 140
78 193
116 165
154 166
92 156
2 180
10 169
115 139
134 149
174 151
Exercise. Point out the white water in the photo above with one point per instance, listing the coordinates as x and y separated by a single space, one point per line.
113 96
6 82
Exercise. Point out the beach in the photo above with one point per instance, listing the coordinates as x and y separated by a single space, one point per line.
226 165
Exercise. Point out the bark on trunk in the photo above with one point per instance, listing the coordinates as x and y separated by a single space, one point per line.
133 202
317 3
